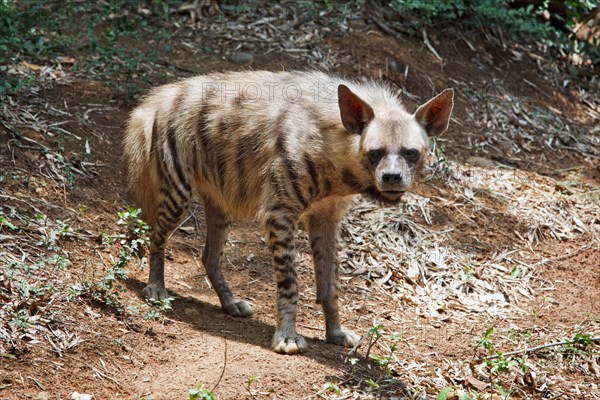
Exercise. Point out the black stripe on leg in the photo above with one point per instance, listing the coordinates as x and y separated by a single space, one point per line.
160 161
286 284
277 225
282 207
283 244
291 295
175 157
285 259
174 206
314 176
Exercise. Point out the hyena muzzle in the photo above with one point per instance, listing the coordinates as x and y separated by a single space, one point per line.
281 148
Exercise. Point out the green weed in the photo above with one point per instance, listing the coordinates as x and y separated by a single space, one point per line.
200 393
500 363
376 368
332 387
376 333
6 222
107 288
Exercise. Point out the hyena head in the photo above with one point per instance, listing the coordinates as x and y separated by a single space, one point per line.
393 142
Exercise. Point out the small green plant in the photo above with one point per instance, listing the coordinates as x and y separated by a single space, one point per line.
582 340
376 333
499 363
52 235
135 237
579 344
248 385
107 289
6 222
201 393
515 272
443 394
372 383
332 387
485 340
21 320
156 308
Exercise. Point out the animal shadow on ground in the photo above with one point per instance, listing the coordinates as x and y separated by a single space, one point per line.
210 319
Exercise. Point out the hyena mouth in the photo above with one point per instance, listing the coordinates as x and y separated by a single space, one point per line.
393 194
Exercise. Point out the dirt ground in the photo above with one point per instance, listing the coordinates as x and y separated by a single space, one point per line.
512 107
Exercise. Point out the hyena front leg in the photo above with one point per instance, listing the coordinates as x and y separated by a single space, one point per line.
281 227
217 227
172 206
324 226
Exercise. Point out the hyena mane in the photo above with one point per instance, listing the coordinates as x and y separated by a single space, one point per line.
276 147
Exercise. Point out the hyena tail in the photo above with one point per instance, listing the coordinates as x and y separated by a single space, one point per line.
142 175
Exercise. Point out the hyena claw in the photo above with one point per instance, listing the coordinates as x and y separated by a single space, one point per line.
238 308
343 337
288 345
155 292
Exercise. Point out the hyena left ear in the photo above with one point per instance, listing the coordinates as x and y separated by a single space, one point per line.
434 115
356 114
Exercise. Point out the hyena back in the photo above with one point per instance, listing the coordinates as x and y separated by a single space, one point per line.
277 147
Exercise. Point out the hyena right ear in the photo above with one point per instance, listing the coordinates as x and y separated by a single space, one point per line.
434 115
356 114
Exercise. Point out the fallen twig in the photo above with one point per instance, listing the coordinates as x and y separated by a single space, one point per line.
224 366
103 375
429 46
532 349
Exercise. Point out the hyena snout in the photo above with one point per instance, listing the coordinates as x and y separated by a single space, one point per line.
393 177
394 182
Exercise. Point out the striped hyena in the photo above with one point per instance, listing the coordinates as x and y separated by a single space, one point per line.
280 148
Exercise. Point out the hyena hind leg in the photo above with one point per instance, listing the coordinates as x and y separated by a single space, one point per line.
324 225
217 228
171 212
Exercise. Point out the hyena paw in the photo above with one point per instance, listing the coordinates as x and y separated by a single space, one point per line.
343 337
288 345
155 291
238 308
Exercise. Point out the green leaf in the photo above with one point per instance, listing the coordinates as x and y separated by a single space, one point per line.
515 272
332 387
372 383
463 395
444 393
7 223
582 340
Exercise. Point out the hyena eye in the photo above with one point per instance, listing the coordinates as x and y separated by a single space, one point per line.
375 155
411 154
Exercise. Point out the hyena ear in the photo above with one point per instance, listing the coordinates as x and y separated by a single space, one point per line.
356 114
434 115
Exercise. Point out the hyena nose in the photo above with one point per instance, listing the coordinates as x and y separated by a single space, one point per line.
391 178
